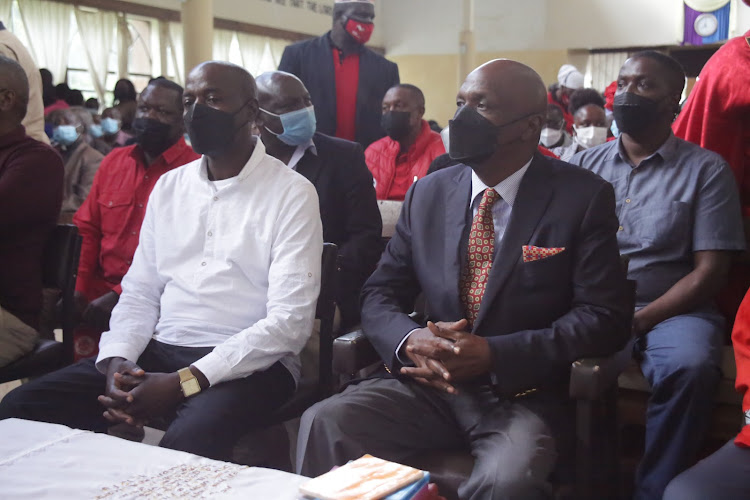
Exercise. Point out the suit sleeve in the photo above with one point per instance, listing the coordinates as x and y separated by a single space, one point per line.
289 61
359 255
599 321
392 290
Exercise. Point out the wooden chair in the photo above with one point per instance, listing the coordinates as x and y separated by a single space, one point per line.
59 271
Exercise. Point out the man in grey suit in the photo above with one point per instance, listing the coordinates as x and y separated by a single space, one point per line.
491 372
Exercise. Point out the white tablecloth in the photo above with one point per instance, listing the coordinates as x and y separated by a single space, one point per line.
39 460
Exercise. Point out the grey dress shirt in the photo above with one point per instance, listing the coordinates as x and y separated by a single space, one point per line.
680 200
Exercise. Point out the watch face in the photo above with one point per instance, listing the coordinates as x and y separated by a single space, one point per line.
191 387
706 25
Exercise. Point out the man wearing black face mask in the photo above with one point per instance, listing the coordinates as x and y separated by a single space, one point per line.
111 216
346 80
404 156
516 255
338 171
221 295
680 220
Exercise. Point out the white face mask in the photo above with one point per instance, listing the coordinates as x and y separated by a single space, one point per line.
588 137
550 137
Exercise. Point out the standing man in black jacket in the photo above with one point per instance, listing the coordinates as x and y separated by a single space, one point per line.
346 80
337 169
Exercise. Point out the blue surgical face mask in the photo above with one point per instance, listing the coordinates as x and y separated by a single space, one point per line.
614 129
110 126
299 126
96 131
65 135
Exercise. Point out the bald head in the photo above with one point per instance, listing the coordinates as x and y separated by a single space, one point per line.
14 91
226 76
517 88
275 88
502 107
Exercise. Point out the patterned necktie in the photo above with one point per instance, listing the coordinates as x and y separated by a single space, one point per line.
481 250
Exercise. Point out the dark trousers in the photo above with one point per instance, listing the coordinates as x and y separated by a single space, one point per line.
513 447
725 475
207 424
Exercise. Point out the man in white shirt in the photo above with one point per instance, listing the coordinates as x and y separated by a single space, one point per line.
221 295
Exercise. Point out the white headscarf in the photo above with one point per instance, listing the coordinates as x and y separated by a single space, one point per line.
570 77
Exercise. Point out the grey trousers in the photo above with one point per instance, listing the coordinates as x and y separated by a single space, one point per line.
513 448
17 339
725 475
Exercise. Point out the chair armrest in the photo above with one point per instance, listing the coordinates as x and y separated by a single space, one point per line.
353 352
590 378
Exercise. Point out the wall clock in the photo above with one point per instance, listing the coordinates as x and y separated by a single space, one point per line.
706 24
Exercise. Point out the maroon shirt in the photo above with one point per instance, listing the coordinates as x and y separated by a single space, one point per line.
31 179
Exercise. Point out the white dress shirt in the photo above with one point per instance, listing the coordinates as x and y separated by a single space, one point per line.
300 151
501 210
233 264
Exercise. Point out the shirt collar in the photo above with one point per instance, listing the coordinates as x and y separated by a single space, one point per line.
171 154
507 189
300 151
259 153
666 151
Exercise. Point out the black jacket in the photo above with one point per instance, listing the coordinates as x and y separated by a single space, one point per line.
312 61
349 212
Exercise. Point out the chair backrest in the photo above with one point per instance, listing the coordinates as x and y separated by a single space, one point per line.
325 311
59 271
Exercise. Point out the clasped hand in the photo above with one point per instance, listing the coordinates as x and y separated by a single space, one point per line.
132 396
445 353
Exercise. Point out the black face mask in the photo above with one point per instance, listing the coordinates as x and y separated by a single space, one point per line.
396 124
473 138
153 136
635 113
211 130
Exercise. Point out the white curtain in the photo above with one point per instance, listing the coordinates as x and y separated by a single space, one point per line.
97 30
252 49
177 52
603 67
48 27
276 47
222 44
5 9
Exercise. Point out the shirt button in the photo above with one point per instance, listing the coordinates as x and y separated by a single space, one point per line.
216 198
146 177
627 201
133 233
210 233
140 205
309 275
110 203
130 262
620 228
203 263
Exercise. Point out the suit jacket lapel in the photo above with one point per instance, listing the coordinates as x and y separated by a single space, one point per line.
534 195
309 166
457 222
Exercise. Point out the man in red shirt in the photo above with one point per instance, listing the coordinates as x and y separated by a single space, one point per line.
726 473
110 218
405 154
346 80
31 177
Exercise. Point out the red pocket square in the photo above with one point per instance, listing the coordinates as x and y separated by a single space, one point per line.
532 253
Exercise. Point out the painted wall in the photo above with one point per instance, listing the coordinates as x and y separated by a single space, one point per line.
271 14
437 75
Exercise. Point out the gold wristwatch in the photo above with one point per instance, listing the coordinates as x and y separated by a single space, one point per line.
188 382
